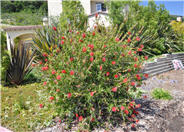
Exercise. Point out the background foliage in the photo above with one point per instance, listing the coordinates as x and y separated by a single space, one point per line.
23 12
157 34
73 14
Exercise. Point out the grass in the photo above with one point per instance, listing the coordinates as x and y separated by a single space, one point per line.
20 111
159 93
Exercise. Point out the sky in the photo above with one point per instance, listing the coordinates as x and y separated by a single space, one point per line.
175 7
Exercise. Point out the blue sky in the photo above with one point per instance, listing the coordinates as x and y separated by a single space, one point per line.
175 7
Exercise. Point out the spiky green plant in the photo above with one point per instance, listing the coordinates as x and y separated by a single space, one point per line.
21 59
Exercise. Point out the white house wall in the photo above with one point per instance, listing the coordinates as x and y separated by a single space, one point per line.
87 6
103 20
54 8
93 6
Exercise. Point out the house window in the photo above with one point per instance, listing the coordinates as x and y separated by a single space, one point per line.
100 7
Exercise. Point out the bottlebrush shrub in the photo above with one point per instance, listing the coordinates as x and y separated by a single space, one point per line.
90 78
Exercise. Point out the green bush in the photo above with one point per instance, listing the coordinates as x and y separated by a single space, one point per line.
152 22
72 14
159 93
91 78
5 61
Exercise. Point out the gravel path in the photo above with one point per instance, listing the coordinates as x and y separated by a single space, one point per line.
155 115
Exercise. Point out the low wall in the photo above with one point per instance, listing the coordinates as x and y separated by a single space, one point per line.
162 64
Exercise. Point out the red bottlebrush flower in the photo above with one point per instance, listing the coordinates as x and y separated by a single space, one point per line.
93 33
113 62
91 59
76 115
114 109
91 46
80 40
126 112
124 46
69 95
91 54
138 106
133 116
40 62
115 76
103 59
129 70
45 54
44 68
139 78
92 93
133 83
145 57
83 35
135 52
80 118
105 46
137 75
125 80
144 96
62 42
131 104
135 59
41 105
71 59
107 74
123 55
100 67
57 90
53 72
142 46
135 65
133 126
117 39
62 37
51 98
139 49
46 60
71 72
92 119
130 52
122 107
84 49
63 71
33 65
58 77
96 15
114 89
146 75
137 38
54 28
129 33
128 40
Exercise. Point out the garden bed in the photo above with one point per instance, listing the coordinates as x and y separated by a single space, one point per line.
154 115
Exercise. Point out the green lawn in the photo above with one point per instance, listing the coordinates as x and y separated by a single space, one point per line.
20 108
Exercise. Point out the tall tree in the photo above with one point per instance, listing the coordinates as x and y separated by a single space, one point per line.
72 14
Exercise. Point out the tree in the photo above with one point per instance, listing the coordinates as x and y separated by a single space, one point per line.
72 14
152 21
